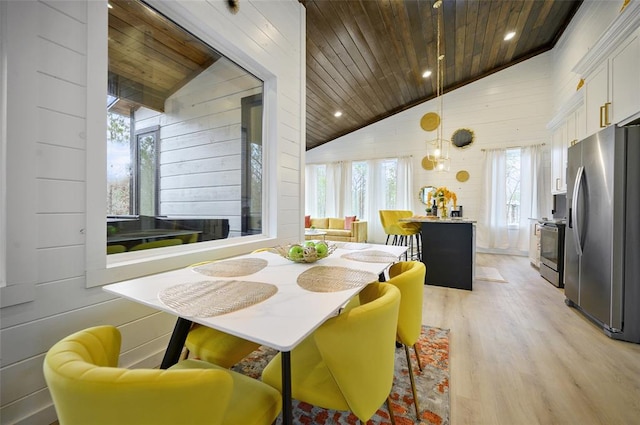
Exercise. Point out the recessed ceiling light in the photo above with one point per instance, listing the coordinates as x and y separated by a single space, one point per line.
426 74
109 6
509 36
337 114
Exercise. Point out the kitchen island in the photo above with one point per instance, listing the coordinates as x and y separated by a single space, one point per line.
448 251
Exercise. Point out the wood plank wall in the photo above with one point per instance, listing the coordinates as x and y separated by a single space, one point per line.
47 150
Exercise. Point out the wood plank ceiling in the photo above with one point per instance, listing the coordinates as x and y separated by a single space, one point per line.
150 58
366 58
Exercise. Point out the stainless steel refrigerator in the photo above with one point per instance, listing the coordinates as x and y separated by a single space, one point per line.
602 244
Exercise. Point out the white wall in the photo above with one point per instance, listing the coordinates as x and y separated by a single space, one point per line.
51 143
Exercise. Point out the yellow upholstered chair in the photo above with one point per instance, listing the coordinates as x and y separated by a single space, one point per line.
156 244
217 347
87 387
348 362
115 249
408 277
190 238
403 233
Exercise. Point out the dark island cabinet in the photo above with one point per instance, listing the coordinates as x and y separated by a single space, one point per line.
448 252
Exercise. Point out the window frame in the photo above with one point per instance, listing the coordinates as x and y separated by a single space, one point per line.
102 269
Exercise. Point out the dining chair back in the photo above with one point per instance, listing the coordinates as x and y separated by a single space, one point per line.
214 346
88 387
156 244
408 277
116 249
348 362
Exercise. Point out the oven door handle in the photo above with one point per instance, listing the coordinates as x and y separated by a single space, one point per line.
577 185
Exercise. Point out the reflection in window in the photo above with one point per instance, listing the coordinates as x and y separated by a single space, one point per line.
184 145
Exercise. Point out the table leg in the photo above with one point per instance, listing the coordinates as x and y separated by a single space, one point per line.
176 343
287 408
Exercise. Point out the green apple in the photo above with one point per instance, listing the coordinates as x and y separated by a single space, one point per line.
296 252
322 249
310 244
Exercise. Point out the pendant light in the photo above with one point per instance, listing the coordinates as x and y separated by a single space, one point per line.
438 149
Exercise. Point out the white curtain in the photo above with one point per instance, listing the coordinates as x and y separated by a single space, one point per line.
311 190
375 199
338 203
404 183
339 192
494 232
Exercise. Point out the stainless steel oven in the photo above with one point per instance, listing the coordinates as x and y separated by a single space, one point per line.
552 252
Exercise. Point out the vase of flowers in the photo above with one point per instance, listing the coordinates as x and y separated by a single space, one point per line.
443 196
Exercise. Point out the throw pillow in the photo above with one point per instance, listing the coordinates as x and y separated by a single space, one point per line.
307 221
348 220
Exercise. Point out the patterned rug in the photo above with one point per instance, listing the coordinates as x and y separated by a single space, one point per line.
432 384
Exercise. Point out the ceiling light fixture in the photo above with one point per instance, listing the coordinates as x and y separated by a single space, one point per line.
509 36
426 74
337 114
438 149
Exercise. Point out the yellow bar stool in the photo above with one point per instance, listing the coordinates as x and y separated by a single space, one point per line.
403 233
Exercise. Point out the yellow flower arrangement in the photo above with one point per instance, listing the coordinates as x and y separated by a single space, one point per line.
443 196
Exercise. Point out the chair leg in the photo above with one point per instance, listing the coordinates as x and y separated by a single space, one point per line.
413 382
415 348
391 416
387 242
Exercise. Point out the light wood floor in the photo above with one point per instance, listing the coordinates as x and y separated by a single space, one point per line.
520 356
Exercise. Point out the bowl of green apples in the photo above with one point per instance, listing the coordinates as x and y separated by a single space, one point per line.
306 252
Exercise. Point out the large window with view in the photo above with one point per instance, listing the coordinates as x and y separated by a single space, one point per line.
184 137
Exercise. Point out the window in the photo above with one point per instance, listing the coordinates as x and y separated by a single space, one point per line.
184 142
379 177
513 186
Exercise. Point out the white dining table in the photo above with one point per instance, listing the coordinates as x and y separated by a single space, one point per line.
281 321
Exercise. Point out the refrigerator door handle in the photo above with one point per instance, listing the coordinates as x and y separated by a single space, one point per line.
577 184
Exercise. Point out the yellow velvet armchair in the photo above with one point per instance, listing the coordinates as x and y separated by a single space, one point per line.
87 387
408 277
348 362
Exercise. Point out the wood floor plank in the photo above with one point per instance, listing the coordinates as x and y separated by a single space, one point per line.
519 355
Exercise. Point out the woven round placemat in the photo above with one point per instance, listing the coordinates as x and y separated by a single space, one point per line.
209 298
232 268
333 279
371 257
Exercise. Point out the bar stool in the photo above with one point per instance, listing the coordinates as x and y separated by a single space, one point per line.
403 233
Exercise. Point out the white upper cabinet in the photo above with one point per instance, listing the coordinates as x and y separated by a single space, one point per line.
567 128
597 99
624 67
611 70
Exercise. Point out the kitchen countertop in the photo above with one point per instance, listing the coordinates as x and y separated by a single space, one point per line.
430 219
